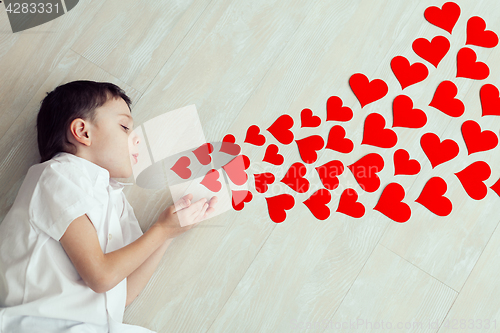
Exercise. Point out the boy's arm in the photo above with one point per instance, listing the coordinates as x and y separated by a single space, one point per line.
139 278
100 271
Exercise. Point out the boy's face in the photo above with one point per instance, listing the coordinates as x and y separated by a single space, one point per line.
114 144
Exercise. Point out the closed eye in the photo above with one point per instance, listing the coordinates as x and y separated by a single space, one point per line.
125 127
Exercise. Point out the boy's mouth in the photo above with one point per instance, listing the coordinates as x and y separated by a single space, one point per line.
135 157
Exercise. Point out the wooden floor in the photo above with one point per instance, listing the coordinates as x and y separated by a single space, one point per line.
247 62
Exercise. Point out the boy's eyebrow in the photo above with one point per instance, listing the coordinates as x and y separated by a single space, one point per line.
128 116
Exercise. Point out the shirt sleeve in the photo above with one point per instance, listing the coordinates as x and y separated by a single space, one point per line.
130 226
60 196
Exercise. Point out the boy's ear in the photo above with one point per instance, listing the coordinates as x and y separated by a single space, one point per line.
79 130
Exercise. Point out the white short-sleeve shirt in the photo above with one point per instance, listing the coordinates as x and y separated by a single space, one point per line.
40 289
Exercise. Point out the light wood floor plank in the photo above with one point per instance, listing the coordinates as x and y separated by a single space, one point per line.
132 40
27 58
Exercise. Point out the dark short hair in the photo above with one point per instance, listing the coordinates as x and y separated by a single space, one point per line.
67 102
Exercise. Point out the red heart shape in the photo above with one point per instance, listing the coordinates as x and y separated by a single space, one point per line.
468 67
472 178
432 197
280 129
335 110
444 18
262 180
337 140
203 153
478 35
254 137
348 204
308 147
240 197
391 203
229 146
407 74
278 205
365 171
490 101
211 181
438 152
235 169
403 165
496 187
272 156
433 51
181 167
328 173
404 115
308 119
294 178
376 135
475 140
367 91
317 204
444 100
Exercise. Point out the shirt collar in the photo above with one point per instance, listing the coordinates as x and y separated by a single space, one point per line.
99 176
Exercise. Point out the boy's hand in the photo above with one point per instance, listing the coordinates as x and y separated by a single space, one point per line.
189 213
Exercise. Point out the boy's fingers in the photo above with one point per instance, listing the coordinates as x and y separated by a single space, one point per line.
209 211
183 202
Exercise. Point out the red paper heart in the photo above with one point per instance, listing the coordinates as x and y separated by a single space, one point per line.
295 178
490 100
211 181
337 140
280 129
235 169
365 171
438 152
367 91
272 156
278 205
432 197
308 119
405 116
328 173
376 135
468 67
496 187
444 18
391 203
240 197
254 137
433 51
478 35
181 167
407 74
317 204
444 100
203 153
229 146
308 147
472 178
262 180
475 140
335 110
403 165
348 204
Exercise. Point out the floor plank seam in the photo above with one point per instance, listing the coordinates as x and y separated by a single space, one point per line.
269 69
242 276
478 258
354 280
182 40
419 268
